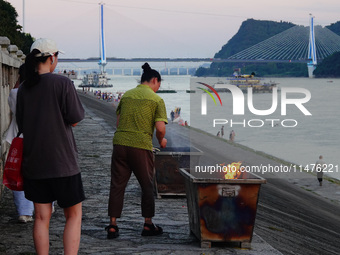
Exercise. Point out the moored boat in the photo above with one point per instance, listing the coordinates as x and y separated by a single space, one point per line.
166 91
95 80
190 91
245 81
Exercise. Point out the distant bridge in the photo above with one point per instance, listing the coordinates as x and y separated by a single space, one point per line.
184 68
291 45
298 44
137 59
188 66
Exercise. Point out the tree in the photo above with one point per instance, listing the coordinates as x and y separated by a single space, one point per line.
10 28
329 67
335 27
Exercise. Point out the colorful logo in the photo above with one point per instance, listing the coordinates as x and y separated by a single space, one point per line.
208 92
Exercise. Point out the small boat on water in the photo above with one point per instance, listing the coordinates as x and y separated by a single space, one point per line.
190 91
166 91
245 81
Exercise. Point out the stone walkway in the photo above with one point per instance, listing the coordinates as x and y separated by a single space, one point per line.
94 141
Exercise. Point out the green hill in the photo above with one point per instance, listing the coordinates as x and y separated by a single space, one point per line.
329 67
250 33
335 27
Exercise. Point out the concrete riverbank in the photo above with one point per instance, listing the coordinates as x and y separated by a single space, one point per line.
290 220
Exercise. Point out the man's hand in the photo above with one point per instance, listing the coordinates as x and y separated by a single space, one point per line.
163 143
160 133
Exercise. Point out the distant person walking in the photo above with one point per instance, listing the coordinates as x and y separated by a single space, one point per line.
139 112
47 108
232 136
222 131
320 165
172 115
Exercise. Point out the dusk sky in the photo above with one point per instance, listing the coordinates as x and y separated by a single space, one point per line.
158 28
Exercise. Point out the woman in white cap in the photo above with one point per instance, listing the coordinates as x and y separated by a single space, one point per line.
47 108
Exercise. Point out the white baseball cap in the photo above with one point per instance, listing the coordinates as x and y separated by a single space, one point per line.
46 47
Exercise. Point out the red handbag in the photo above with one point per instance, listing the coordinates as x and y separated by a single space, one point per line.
12 177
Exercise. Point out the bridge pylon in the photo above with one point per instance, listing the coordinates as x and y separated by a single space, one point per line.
311 48
102 48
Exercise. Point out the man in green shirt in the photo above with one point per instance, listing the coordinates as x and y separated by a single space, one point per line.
139 112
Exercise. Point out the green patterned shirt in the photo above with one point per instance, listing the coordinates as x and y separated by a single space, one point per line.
139 109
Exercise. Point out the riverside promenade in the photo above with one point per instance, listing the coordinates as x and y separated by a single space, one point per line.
94 142
285 227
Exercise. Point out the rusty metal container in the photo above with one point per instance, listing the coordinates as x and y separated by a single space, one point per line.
222 210
168 161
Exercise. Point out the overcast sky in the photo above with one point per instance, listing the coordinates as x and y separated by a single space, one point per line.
158 28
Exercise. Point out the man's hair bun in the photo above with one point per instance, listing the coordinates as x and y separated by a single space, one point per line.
149 73
146 67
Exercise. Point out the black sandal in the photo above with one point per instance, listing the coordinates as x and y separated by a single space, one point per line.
153 230
110 234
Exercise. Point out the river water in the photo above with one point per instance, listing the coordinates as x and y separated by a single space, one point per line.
302 144
314 135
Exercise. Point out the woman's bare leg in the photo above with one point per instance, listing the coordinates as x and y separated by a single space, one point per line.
72 230
41 227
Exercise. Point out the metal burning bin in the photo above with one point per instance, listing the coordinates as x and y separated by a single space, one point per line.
168 161
222 210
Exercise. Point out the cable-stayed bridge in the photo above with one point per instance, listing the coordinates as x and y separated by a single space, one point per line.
298 44
292 45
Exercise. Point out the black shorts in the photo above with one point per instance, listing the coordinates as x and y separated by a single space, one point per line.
67 191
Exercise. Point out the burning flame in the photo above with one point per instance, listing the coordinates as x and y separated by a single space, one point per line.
232 170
